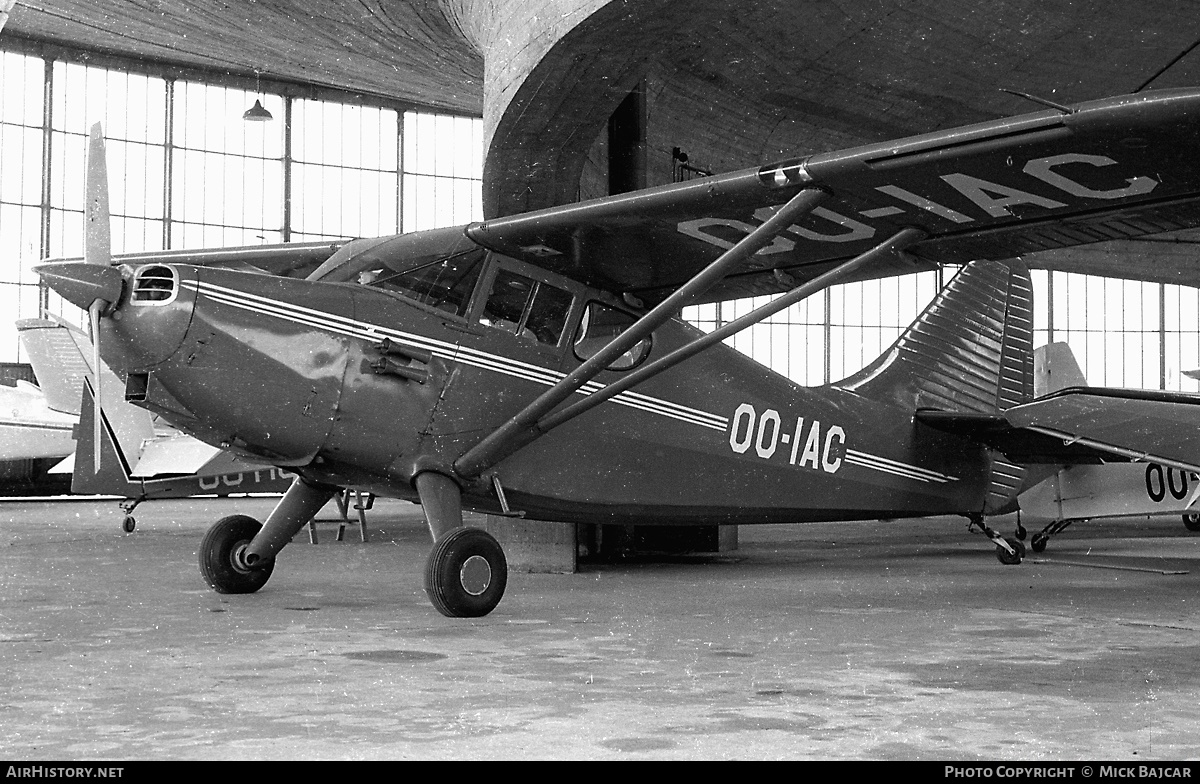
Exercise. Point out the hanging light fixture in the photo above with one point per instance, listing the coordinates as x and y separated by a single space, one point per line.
257 112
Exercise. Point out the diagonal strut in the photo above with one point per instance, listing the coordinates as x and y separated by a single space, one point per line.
520 429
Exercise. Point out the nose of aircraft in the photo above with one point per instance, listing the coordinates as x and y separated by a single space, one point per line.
81 283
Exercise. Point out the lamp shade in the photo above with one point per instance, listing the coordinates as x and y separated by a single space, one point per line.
257 113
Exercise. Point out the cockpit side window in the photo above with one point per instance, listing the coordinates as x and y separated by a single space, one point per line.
599 326
445 284
526 308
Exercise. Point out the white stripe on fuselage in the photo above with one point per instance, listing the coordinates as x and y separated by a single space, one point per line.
451 352
454 352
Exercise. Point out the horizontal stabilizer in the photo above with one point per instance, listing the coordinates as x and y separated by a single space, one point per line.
177 454
1089 425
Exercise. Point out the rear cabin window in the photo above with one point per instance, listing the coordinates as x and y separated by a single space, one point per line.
531 310
599 326
445 284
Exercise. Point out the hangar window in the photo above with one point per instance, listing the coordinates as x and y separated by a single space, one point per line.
599 326
527 308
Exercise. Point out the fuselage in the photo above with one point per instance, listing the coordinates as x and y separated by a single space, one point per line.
29 428
366 385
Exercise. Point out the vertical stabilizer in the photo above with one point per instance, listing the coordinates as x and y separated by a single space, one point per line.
112 475
971 350
1055 368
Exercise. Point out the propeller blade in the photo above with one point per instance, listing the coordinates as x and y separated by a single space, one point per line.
97 307
97 240
97 250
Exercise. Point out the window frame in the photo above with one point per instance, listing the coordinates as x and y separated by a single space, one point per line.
498 261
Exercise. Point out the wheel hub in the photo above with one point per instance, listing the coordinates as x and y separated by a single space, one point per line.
238 557
475 575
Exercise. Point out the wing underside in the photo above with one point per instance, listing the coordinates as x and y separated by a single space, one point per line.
1089 425
1110 169
1106 170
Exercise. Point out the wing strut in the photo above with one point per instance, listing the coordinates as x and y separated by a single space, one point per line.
897 241
520 429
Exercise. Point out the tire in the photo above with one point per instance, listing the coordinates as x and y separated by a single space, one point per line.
218 562
1010 559
466 573
1038 543
1191 521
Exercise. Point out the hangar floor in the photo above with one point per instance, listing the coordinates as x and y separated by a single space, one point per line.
901 640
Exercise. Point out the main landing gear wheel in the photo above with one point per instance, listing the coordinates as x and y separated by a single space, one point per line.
466 573
221 556
1191 521
1013 558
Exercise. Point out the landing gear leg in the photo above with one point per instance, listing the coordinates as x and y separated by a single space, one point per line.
237 554
127 506
1009 551
1038 543
466 572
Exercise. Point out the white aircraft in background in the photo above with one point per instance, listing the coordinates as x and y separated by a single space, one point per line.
1102 490
146 460
31 428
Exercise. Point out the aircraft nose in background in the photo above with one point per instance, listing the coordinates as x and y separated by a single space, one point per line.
81 283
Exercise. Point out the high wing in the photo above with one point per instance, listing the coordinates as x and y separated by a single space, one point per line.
1089 425
291 259
1101 170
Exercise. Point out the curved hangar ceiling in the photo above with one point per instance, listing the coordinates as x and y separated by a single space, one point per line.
735 84
731 83
404 50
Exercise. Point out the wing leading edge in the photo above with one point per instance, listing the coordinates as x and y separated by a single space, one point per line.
1109 169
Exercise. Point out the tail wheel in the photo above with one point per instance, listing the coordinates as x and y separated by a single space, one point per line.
221 556
1007 558
466 573
1191 521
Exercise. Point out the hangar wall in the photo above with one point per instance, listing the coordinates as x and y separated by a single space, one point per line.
186 170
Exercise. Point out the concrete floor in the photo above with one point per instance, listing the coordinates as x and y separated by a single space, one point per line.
883 640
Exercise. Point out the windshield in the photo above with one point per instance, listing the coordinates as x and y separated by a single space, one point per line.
437 267
445 284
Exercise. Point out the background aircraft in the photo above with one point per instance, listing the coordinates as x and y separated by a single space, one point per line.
1088 491
143 459
37 423
30 428
493 364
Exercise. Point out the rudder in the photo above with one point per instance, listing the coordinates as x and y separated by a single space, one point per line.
971 350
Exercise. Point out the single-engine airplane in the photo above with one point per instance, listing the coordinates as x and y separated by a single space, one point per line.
535 362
